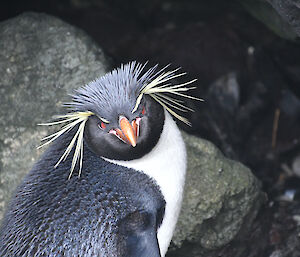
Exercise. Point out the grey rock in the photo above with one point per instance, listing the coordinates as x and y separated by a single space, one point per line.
221 199
289 10
281 16
41 60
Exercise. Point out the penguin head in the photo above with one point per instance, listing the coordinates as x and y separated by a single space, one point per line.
128 135
120 115
117 130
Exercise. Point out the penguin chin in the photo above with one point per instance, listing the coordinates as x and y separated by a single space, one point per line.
109 146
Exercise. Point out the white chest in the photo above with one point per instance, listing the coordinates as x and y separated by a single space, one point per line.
166 164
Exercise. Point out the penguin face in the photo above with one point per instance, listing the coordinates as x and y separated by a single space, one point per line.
120 115
128 135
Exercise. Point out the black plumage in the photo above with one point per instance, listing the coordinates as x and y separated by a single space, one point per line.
104 212
76 201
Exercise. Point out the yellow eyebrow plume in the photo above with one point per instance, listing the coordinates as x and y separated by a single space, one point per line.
70 120
158 90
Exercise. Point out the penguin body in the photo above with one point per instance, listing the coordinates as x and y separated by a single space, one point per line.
105 212
111 183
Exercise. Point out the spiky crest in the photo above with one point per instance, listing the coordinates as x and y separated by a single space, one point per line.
129 81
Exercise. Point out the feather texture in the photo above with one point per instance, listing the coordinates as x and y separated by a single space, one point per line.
71 120
161 91
127 84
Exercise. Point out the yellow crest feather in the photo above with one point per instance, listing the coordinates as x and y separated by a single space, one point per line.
71 120
158 88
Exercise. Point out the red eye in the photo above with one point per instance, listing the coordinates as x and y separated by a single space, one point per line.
103 126
143 111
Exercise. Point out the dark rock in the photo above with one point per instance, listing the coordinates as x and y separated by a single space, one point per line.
289 10
206 52
281 16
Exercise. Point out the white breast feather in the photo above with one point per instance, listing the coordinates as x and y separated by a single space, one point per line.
166 164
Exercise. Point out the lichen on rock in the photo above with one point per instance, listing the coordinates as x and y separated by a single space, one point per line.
221 195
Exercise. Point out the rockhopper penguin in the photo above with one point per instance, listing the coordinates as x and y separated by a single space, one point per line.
111 182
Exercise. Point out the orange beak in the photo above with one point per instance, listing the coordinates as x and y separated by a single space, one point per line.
128 131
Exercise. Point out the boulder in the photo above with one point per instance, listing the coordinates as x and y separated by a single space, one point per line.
222 197
42 59
281 16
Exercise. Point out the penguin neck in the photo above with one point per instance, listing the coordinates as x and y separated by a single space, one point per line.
166 165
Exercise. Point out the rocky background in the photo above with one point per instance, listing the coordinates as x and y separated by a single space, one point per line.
246 57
